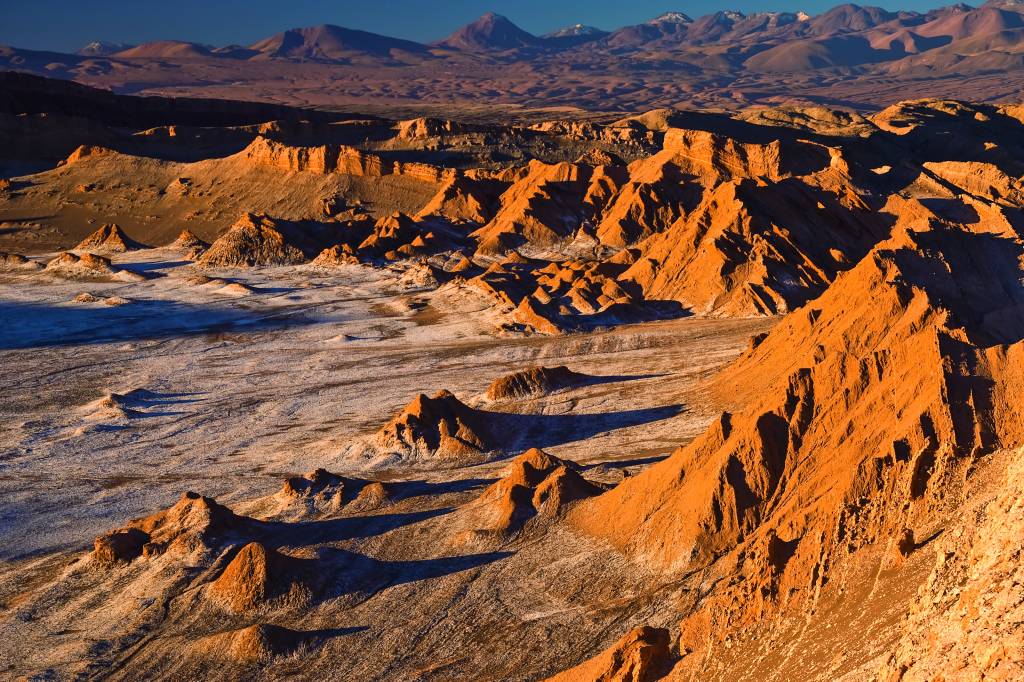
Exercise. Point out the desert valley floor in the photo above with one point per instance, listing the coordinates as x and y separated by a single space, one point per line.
326 358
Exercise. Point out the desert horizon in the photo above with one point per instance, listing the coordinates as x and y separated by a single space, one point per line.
690 349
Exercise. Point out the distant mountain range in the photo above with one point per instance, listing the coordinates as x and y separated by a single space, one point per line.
846 53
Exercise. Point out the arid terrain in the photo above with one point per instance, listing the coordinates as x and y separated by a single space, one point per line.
554 394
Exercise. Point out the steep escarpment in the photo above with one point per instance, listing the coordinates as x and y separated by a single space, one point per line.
866 409
755 247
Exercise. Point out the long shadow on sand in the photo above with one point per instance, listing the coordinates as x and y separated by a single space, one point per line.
336 530
548 430
344 572
35 325
403 490
625 463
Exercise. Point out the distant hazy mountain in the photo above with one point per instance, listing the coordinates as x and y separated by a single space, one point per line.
332 43
490 32
768 56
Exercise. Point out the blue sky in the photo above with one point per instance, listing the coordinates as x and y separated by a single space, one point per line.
66 25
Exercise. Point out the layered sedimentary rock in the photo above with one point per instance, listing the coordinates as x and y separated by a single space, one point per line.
540 208
342 159
755 247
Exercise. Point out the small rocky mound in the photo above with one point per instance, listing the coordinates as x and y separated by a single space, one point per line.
112 301
340 254
537 485
188 241
15 261
221 285
643 655
113 406
461 265
255 644
256 576
534 381
88 266
323 486
195 522
252 241
421 276
441 425
321 493
565 296
109 239
86 151
398 236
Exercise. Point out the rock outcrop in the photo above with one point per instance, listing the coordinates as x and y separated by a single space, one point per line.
253 240
187 241
437 426
257 576
333 256
565 296
536 484
110 238
195 523
966 621
15 261
642 655
255 644
752 247
88 266
866 409
324 489
533 382
540 208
